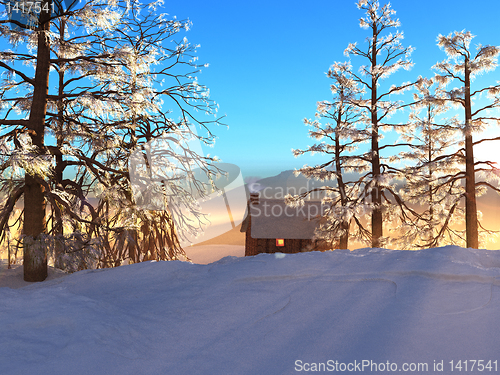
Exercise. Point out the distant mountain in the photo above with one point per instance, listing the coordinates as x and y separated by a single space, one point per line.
277 187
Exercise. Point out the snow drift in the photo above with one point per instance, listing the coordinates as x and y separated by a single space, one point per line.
268 314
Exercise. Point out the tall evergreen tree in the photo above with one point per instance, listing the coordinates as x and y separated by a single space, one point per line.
427 183
462 66
153 72
35 260
384 55
89 115
340 137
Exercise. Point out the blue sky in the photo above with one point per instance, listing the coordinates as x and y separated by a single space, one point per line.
268 61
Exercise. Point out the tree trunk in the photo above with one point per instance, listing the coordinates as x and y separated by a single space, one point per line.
35 254
344 225
430 152
376 191
57 225
344 239
471 228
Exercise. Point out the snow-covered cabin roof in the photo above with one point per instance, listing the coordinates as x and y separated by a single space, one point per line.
272 218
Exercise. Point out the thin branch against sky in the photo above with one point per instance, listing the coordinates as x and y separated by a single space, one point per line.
268 63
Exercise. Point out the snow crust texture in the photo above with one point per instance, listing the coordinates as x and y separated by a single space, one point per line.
258 315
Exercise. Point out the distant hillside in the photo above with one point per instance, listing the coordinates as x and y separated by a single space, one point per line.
287 183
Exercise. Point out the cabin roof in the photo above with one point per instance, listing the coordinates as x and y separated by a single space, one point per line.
272 218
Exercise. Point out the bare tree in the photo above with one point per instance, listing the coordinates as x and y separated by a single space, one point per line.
33 191
427 179
341 137
155 72
24 138
462 66
385 55
99 112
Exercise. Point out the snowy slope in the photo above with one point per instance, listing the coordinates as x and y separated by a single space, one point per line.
268 314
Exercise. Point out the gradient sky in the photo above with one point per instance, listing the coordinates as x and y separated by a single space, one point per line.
268 61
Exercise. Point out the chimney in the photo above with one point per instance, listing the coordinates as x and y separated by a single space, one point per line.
254 198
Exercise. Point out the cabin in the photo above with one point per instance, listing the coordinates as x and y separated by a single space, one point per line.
271 226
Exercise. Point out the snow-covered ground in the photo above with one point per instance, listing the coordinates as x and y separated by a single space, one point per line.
368 309
206 254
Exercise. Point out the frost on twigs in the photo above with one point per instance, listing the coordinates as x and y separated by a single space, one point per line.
26 157
69 253
166 174
338 126
381 56
74 252
127 79
462 65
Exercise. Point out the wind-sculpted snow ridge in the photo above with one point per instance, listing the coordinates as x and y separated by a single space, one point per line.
258 314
